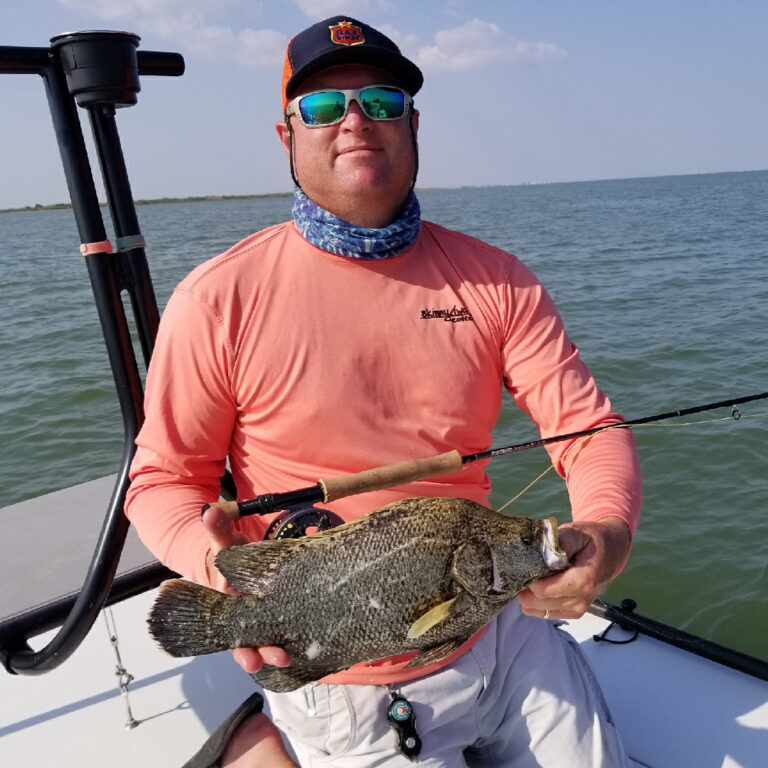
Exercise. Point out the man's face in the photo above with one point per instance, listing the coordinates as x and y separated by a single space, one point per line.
359 169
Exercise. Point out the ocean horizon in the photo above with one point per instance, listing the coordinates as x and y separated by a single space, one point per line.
418 189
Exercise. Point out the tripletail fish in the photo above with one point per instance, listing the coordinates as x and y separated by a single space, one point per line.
419 575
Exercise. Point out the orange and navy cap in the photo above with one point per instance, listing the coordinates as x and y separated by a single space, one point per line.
344 40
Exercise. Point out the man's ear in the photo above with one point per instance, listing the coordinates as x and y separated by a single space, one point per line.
284 134
415 121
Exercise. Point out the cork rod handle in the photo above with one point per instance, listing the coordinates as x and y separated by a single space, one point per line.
390 476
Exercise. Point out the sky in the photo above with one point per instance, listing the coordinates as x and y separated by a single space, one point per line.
516 91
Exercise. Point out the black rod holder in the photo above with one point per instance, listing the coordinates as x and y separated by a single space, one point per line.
100 71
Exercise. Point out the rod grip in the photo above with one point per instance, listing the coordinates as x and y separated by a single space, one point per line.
390 476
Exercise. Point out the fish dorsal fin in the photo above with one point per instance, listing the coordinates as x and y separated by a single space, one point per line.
437 653
431 618
250 568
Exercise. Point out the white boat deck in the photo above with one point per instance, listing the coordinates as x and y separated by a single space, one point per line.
75 715
675 709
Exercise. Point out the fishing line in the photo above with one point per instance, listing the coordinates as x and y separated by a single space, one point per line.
533 482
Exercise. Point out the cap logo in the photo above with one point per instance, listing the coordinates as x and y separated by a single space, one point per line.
346 33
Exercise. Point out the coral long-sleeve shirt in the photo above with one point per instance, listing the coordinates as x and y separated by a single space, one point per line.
298 365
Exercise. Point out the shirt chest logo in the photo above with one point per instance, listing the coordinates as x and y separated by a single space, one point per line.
453 315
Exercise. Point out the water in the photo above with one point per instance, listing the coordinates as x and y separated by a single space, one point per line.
663 284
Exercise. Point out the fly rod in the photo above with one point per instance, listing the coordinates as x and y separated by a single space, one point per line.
329 489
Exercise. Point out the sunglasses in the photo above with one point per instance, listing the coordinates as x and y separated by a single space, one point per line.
321 108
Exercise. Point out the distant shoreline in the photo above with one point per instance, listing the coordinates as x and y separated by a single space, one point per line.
267 195
191 199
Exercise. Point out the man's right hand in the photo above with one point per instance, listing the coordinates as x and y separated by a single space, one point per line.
224 534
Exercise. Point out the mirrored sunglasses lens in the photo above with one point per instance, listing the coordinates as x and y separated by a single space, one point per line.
382 103
322 108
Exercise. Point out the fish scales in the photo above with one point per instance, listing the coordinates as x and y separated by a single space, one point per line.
418 575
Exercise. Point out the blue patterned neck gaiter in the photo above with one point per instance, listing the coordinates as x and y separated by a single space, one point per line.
330 233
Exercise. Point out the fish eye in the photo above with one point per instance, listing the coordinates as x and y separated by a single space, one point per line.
527 535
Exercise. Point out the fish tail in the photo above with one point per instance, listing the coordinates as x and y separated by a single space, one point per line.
186 619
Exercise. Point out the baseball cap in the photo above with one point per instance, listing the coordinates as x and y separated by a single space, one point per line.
344 40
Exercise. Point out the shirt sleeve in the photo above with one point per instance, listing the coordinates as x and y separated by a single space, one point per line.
183 444
551 384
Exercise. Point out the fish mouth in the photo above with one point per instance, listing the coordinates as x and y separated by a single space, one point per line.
554 557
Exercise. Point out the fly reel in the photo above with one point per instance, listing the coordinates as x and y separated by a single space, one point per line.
294 523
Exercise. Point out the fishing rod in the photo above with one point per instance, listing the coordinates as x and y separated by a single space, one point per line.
329 489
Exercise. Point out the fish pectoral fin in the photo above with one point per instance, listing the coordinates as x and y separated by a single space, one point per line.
431 618
437 653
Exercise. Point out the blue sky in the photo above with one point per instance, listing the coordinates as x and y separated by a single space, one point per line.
515 90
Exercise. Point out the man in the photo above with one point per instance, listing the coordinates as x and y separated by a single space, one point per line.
357 336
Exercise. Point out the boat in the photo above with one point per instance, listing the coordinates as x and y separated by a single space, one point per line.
84 683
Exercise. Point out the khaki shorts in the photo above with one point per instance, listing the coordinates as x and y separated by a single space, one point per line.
522 697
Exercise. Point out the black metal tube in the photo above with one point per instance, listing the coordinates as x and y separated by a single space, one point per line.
16 60
126 223
163 63
74 157
16 630
21 60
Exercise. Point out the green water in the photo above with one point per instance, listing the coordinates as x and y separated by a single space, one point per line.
663 284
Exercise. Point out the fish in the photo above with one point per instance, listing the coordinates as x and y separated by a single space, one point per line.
420 575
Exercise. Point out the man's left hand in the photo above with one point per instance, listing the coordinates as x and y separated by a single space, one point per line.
597 550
